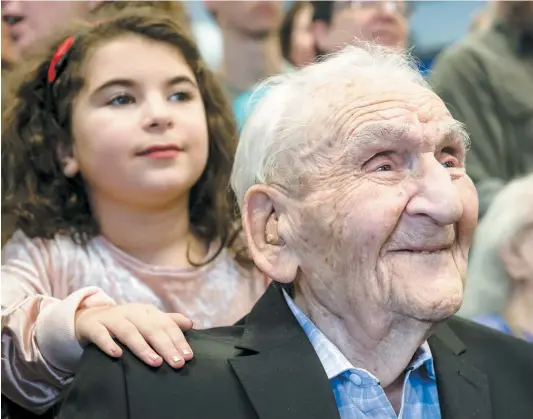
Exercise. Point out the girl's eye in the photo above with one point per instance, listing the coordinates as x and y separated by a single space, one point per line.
121 100
180 97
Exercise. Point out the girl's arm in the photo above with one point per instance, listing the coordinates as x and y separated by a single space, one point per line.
39 347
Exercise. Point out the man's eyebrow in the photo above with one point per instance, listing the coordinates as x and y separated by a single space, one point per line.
124 82
457 130
368 134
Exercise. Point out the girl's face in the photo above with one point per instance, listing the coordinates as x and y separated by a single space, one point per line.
139 124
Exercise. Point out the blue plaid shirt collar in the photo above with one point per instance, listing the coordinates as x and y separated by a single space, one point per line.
335 363
358 393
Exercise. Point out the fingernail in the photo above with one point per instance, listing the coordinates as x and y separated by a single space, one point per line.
186 352
114 349
176 359
154 357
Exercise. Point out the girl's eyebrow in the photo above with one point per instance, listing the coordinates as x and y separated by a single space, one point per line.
130 83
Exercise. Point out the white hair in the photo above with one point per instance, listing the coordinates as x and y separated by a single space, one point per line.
487 285
297 104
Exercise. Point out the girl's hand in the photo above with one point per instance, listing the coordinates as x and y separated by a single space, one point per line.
148 332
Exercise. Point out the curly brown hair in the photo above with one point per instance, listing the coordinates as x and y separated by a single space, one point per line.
42 199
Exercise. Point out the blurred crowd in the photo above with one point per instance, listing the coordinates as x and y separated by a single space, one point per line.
485 79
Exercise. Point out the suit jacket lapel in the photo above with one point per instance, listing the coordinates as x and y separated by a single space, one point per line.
282 374
463 389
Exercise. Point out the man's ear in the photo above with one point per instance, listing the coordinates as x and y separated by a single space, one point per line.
260 216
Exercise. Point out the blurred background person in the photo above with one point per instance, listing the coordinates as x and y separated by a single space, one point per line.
8 50
337 23
9 56
251 48
499 288
482 19
30 24
296 36
487 82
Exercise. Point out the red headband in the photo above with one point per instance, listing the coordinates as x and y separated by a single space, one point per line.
59 58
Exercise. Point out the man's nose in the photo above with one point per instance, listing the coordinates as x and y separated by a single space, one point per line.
436 196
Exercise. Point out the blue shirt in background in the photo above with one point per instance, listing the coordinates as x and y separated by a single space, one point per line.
244 104
497 322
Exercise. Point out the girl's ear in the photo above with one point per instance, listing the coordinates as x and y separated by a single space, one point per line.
69 162
70 167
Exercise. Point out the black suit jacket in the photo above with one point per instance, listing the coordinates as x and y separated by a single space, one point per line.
267 369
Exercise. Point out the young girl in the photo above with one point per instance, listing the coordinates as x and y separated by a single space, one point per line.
116 155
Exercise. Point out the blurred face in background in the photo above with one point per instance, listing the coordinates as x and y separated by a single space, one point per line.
302 50
8 53
31 22
517 13
253 19
383 22
518 260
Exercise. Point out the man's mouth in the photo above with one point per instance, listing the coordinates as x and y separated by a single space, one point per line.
426 250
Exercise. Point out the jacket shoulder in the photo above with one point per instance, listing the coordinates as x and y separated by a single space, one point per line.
205 387
500 355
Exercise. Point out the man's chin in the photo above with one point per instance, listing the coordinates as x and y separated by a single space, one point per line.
435 307
441 311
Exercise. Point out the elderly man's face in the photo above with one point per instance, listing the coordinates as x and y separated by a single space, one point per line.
387 213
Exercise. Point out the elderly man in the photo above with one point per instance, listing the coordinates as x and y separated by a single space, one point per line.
351 179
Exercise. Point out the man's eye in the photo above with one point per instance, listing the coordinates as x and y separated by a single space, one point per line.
384 168
449 158
448 164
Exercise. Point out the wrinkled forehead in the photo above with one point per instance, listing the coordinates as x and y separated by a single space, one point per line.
378 114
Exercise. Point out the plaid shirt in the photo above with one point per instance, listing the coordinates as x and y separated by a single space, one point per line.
358 393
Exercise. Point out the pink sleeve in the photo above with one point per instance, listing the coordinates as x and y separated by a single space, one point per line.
39 347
